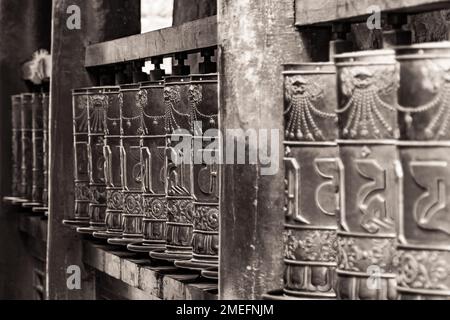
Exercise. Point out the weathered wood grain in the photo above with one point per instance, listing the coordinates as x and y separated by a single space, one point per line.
310 12
189 36
256 38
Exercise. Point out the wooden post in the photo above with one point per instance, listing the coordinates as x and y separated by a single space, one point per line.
256 38
100 21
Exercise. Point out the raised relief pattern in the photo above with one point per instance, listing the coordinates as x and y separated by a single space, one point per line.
364 89
302 96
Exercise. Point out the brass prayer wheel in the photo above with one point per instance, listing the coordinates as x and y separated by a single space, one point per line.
130 165
203 102
153 147
38 152
80 149
45 154
369 174
97 105
113 179
311 178
26 127
180 206
423 261
16 151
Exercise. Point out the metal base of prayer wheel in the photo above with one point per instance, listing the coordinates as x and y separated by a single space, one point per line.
76 223
123 241
143 247
168 256
211 273
106 234
40 209
194 265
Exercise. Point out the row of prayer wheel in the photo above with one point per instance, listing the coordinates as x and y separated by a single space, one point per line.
367 144
134 185
29 140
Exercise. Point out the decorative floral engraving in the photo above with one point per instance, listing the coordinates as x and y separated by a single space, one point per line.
312 245
364 87
155 119
172 98
302 96
155 208
206 218
97 106
180 211
195 98
423 269
437 80
133 204
80 117
357 254
97 195
114 199
82 192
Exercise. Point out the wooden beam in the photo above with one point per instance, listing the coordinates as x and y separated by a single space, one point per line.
100 21
190 36
319 12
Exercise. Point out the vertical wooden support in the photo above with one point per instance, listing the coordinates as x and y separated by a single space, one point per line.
24 28
256 38
100 21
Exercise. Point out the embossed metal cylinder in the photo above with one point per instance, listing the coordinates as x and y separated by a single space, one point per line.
111 153
423 261
369 174
153 148
203 101
38 152
80 148
180 207
26 127
97 105
311 170
130 162
16 144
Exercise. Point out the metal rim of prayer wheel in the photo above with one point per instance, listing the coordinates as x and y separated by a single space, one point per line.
153 146
203 102
423 250
369 171
97 104
113 179
180 206
130 165
80 216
